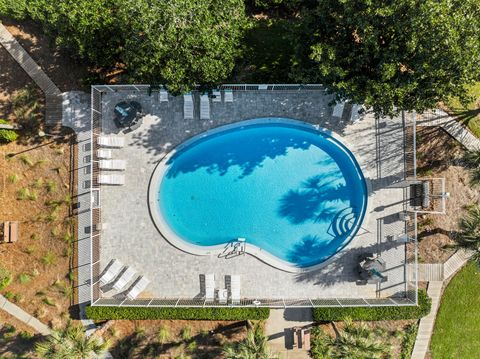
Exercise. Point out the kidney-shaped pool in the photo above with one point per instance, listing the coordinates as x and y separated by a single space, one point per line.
295 193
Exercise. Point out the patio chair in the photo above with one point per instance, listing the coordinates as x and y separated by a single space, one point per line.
104 153
163 95
188 106
111 141
357 113
111 179
228 95
216 96
209 287
13 232
306 339
222 296
124 278
138 287
204 107
119 165
235 289
6 232
338 109
113 269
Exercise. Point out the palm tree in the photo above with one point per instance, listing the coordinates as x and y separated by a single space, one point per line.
356 341
472 158
254 346
70 342
469 235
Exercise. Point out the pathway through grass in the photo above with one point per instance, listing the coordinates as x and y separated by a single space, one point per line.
457 328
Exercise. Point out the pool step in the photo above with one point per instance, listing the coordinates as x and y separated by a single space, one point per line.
343 222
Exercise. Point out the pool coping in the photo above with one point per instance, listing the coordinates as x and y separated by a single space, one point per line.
175 240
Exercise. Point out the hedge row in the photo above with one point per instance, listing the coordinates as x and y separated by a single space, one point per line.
376 313
139 313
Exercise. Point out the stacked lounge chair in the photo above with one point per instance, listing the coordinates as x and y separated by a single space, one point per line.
124 278
104 153
119 165
188 106
209 287
111 179
111 141
235 289
216 96
112 271
204 107
138 287
338 109
228 95
163 95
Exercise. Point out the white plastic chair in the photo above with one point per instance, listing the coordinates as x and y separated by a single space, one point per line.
209 287
163 94
228 94
112 271
119 165
112 179
217 96
235 289
124 278
138 288
188 106
104 153
204 107
111 141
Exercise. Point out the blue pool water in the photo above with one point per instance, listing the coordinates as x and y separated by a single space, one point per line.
291 190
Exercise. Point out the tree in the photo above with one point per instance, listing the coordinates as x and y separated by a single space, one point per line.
182 42
469 235
472 159
391 55
87 29
254 346
70 342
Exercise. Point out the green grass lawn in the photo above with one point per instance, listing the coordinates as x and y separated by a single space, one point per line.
457 328
469 114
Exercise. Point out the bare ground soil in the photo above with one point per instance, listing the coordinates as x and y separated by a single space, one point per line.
439 155
140 339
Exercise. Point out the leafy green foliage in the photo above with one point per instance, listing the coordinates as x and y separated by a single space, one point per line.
70 342
375 313
107 313
24 278
7 136
404 54
253 346
181 43
408 341
469 234
163 335
354 341
5 277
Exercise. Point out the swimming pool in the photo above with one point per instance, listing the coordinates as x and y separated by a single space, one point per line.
295 193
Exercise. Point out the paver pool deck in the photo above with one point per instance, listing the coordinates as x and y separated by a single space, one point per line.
129 234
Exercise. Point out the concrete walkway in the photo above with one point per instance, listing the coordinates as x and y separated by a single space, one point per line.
53 96
279 331
450 125
436 275
23 316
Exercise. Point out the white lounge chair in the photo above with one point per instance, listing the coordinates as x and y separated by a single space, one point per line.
228 95
112 271
209 287
188 106
217 96
204 107
138 288
338 109
119 165
124 278
111 141
163 95
357 113
104 153
235 289
113 179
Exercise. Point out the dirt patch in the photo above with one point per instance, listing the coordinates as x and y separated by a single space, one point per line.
170 339
16 338
66 73
439 155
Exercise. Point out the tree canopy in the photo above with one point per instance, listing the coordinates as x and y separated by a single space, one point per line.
403 54
183 42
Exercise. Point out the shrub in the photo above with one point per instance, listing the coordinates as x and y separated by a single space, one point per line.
24 278
163 335
26 160
13 178
375 313
49 301
49 258
139 313
51 186
7 136
186 333
5 277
